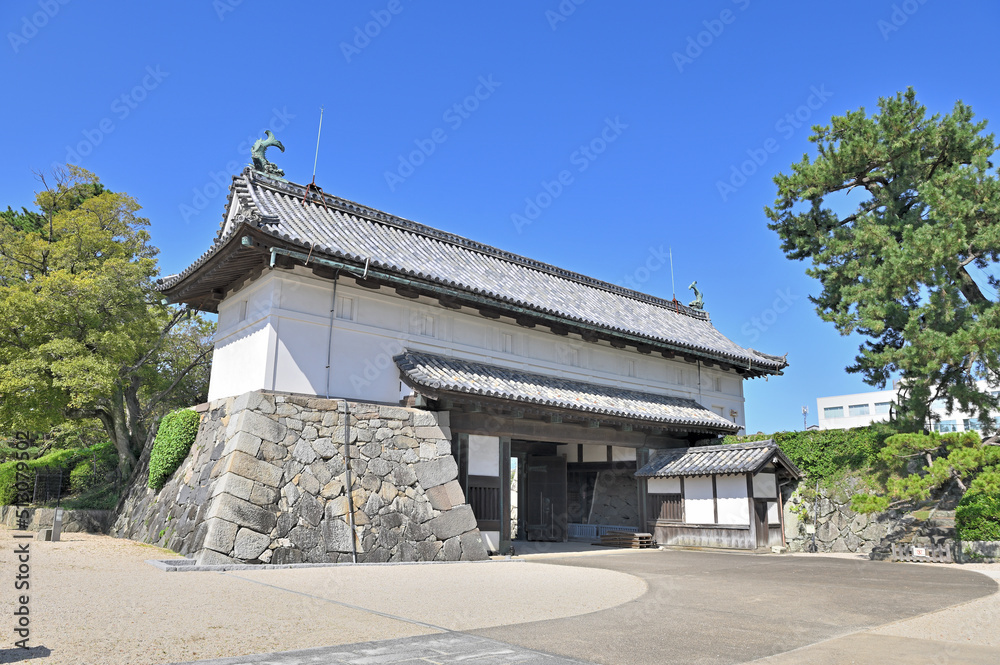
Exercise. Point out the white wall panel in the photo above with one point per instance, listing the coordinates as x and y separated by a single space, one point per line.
663 485
733 505
484 455
301 354
699 504
764 486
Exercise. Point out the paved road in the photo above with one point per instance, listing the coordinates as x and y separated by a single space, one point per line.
723 608
707 608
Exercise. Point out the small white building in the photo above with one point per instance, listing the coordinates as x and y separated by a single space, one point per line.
861 409
570 380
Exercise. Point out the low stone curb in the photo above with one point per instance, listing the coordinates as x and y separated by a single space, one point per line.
191 565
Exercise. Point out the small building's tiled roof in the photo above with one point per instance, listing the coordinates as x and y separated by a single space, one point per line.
437 375
718 460
343 230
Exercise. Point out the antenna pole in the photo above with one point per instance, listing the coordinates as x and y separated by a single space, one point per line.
318 132
673 287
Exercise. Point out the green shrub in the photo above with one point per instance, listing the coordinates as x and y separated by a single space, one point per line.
978 516
103 458
828 454
172 444
67 460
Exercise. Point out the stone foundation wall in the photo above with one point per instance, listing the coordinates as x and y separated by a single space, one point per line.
171 517
616 500
74 521
838 528
266 483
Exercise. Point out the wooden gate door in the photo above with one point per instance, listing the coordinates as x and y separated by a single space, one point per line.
760 521
545 492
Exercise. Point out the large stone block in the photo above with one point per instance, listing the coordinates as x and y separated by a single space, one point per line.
452 523
424 419
452 550
473 548
305 538
212 558
393 413
238 486
403 476
311 510
338 536
337 507
219 535
324 447
242 513
433 432
244 442
250 544
304 452
253 401
447 496
257 424
252 468
436 472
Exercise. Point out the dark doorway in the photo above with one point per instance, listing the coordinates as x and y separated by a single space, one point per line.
760 522
544 495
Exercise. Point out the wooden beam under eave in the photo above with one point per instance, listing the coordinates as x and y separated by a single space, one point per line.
644 348
368 283
617 343
449 302
559 330
669 355
524 322
407 292
489 313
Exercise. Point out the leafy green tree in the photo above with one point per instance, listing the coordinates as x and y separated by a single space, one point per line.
895 211
959 458
83 334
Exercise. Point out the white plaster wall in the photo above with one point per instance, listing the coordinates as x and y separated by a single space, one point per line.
571 451
772 513
384 324
594 453
699 504
622 454
484 455
733 505
663 485
764 486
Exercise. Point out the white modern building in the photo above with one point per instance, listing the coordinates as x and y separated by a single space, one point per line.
860 409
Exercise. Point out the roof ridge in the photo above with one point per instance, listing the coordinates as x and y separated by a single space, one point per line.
379 216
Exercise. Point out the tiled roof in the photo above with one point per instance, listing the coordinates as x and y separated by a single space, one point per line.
707 460
347 231
438 374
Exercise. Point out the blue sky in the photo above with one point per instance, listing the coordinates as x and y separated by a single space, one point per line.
625 124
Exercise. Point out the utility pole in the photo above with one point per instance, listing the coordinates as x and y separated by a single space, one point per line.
805 412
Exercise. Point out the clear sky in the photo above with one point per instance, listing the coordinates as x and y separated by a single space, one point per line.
464 115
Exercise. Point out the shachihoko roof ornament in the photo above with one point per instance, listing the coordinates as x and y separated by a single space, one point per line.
259 155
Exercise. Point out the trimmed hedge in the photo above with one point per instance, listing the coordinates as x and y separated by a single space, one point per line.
173 442
67 460
828 454
977 516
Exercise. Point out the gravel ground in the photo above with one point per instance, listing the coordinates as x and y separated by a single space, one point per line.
94 600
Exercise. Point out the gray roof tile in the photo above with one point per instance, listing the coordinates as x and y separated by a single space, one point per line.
719 460
439 374
349 231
